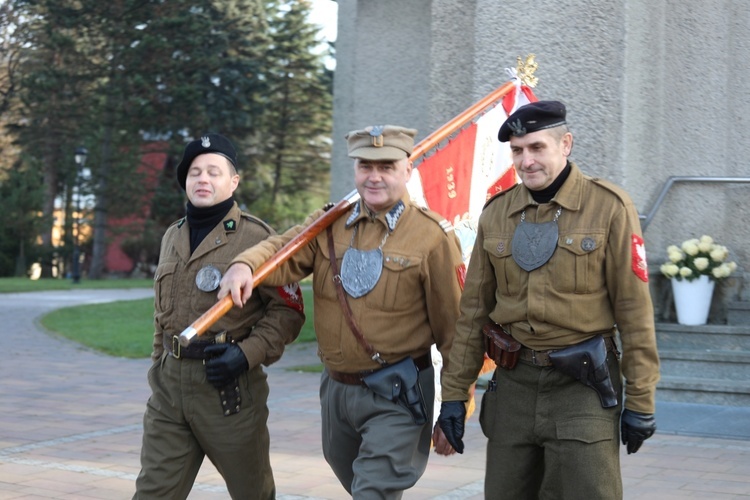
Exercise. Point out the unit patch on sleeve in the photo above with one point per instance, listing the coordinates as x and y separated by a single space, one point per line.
292 295
461 275
638 252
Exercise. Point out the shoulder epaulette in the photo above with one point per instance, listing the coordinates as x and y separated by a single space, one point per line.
611 187
501 193
446 226
258 221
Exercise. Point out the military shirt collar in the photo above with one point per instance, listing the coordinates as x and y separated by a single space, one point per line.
388 217
230 224
216 238
569 196
230 221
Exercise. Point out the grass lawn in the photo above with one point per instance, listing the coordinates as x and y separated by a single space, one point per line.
15 285
125 328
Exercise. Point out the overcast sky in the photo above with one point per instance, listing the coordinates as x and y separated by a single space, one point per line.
324 14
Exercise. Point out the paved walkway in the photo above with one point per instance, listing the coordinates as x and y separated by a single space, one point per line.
70 427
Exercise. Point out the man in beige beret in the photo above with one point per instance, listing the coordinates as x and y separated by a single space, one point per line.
395 278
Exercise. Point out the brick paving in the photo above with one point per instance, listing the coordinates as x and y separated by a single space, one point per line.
70 427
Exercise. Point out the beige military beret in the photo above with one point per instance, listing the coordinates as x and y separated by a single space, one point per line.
381 142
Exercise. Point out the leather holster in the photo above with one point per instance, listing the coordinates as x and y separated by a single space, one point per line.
399 383
587 363
500 346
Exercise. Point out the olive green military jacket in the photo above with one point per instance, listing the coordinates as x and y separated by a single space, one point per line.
595 281
414 303
271 318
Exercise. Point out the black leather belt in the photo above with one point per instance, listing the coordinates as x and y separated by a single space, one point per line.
195 349
541 358
422 362
192 351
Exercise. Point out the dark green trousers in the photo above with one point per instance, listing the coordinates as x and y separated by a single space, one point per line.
184 422
550 438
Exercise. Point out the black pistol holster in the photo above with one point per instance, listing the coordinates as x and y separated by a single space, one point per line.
587 363
399 383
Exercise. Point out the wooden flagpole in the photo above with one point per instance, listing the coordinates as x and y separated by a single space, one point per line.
204 322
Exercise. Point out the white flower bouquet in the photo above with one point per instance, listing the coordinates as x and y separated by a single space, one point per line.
698 257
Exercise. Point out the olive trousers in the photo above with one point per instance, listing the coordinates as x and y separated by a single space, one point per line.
549 437
372 444
184 421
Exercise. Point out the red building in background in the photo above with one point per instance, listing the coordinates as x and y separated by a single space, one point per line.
153 162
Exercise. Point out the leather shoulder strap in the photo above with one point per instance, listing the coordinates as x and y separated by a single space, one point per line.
345 304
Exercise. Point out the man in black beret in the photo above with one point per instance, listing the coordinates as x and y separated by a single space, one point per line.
210 398
557 271
208 143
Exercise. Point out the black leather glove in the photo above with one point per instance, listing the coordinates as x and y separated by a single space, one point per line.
451 420
636 428
224 363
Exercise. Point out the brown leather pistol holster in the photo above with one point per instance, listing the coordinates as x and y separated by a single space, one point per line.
500 346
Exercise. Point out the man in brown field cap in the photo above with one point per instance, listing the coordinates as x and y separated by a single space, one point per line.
397 280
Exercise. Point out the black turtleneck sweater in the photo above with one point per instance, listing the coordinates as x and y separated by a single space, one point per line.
546 194
202 220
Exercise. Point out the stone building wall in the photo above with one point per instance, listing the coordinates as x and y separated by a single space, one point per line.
653 89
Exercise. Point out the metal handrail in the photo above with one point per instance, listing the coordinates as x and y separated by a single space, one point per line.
646 219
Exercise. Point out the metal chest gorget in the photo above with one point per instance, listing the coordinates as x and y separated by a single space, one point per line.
534 243
361 269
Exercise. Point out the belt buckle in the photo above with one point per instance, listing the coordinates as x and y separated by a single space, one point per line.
176 347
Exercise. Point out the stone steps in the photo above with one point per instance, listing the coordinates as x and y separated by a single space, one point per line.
703 391
729 365
706 364
703 337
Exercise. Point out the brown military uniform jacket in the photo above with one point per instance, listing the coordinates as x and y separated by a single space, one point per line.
271 318
595 281
413 305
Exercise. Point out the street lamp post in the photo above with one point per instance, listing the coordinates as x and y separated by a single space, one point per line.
80 159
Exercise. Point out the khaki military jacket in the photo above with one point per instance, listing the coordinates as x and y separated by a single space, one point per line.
413 305
271 318
595 281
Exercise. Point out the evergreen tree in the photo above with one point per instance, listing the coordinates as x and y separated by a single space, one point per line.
290 172
20 196
113 75
51 86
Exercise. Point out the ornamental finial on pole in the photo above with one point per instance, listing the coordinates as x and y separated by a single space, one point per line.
525 70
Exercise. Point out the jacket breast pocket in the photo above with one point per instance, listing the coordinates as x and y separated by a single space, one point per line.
163 283
507 272
398 283
579 263
323 282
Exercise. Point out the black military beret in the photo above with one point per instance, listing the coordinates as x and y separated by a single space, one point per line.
532 117
208 143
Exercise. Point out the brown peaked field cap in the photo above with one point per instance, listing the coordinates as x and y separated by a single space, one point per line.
532 117
207 143
381 142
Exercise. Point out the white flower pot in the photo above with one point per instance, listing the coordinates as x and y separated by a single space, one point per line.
692 300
